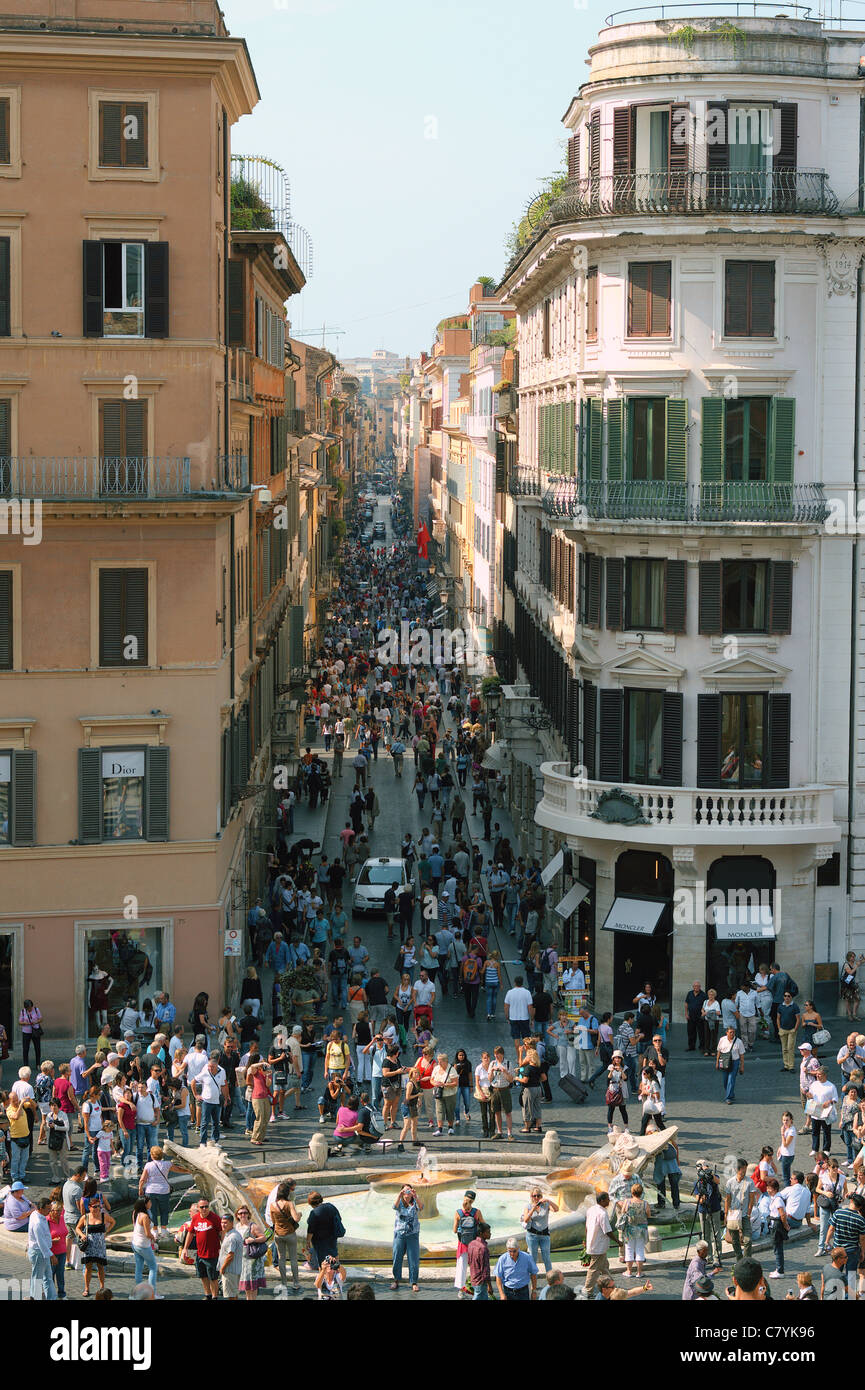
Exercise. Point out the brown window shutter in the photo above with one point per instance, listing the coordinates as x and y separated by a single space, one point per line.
638 299
675 591
710 619
762 299
5 426
615 595
111 134
780 596
111 433
659 298
574 157
679 148
592 302
5 140
717 148
593 591
133 135
788 116
236 304
595 145
5 620
622 145
737 281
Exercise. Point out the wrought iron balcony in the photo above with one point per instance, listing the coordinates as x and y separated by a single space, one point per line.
637 500
692 192
104 477
524 481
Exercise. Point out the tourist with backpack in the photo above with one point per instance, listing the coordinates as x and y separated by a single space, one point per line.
467 1221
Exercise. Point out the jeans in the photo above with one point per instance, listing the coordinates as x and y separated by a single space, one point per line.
481 1292
825 1214
729 1077
20 1155
850 1143
511 910
521 1295
285 1253
539 1249
406 1247
339 991
41 1282
492 999
210 1113
821 1128
145 1260
126 1142
778 1237
26 1040
88 1153
59 1273
470 994
786 1169
308 1069
159 1202
145 1138
376 1092
464 1096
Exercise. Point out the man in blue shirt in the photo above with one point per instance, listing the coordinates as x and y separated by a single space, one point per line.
516 1275
436 863
164 1012
277 955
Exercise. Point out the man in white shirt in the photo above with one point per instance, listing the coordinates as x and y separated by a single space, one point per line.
212 1090
573 978
598 1233
851 1056
423 997
585 1037
730 1059
196 1063
823 1111
519 1009
39 1251
779 1225
797 1200
22 1088
746 1013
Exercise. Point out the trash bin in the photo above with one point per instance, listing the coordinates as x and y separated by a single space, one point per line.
310 730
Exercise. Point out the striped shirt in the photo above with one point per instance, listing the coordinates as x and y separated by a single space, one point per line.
849 1226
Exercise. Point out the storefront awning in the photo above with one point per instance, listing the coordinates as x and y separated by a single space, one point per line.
557 862
571 901
744 923
639 916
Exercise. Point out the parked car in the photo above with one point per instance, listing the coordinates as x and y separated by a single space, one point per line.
373 881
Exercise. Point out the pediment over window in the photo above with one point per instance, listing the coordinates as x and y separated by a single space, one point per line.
750 670
640 667
585 655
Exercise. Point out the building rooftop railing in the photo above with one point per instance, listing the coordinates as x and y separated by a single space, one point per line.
105 477
696 9
704 503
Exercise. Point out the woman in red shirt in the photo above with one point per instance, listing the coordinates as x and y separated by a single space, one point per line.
64 1091
261 1101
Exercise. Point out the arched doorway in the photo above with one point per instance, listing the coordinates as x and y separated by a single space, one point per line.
637 957
743 879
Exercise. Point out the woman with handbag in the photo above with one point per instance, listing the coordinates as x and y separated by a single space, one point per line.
850 984
650 1092
531 1076
828 1196
632 1223
812 1025
617 1089
30 1020
143 1242
285 1219
444 1082
252 1276
822 1108
483 1095
94 1226
711 1022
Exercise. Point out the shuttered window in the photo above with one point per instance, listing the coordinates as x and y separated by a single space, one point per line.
744 595
743 739
649 288
123 617
574 157
546 312
590 723
122 429
595 145
5 438
126 800
592 303
643 728
786 135
18 798
122 135
236 304
645 595
623 142
6 620
5 131
750 439
126 289
749 299
612 708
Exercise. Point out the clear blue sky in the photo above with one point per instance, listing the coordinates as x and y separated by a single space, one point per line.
403 224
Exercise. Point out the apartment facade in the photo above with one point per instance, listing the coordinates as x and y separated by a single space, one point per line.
139 640
678 605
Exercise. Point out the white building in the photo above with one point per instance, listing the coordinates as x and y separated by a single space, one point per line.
690 402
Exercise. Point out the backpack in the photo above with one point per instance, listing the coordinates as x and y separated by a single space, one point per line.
792 986
467 1225
757 1179
471 969
56 1137
546 965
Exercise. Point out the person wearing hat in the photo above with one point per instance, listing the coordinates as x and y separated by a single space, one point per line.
616 1094
16 1208
704 1290
516 1275
808 1069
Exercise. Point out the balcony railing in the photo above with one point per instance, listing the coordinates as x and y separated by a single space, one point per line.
240 374
103 477
636 500
692 192
783 815
524 481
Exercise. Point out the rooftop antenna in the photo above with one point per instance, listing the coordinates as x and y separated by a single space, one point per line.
325 333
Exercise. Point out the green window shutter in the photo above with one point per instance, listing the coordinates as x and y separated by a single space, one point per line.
156 289
737 279
583 461
615 440
671 738
6 287
542 435
23 827
112 442
135 621
570 438
225 766
712 440
560 437
708 740
710 598
593 591
675 595
780 596
5 427
111 615
156 793
676 420
5 620
596 438
615 594
590 721
89 796
612 735
779 741
781 438
295 643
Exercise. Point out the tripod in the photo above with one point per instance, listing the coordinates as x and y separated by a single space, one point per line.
686 1260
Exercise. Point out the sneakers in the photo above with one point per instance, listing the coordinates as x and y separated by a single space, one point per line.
776 1274
450 1131
438 1131
273 1119
322 1119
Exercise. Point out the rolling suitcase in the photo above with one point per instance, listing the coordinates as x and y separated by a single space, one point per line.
575 1089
